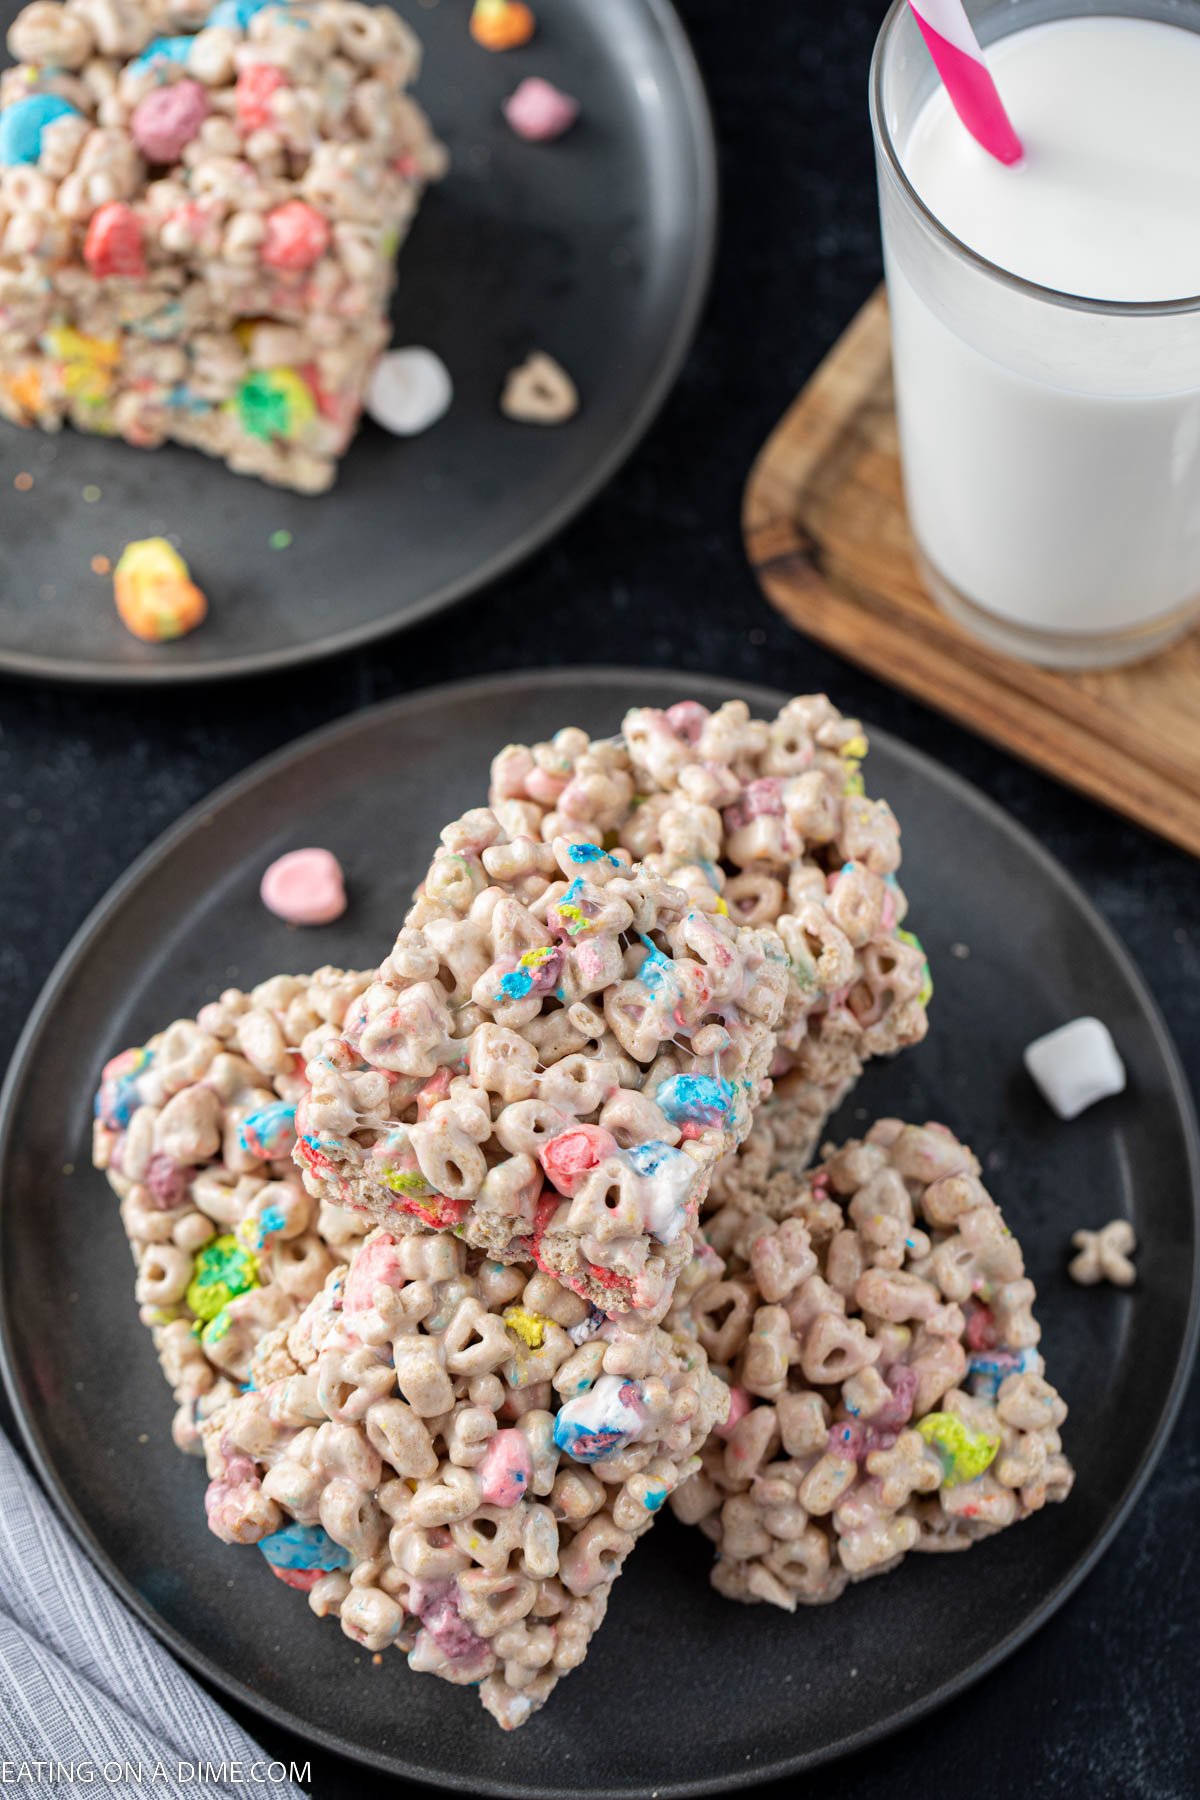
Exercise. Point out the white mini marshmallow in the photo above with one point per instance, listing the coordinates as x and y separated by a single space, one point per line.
409 390
1075 1066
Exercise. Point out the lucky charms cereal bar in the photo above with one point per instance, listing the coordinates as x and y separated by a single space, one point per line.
455 1456
873 1319
551 1062
768 822
472 1491
195 1130
450 1432
200 208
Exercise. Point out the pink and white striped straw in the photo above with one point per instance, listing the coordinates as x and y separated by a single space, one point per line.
955 49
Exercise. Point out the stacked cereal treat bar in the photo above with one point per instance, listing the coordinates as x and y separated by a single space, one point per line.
874 1322
515 1441
455 1456
552 1061
199 215
195 1130
423 1250
767 821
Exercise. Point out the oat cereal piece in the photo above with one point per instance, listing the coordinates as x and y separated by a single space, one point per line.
768 821
550 1063
873 1319
539 392
1104 1255
199 218
195 1130
455 1456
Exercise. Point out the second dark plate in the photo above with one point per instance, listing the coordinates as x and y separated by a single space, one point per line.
682 1692
595 249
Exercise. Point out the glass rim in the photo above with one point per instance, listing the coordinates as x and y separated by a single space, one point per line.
1034 290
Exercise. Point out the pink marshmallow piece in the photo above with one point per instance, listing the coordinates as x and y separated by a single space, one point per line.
538 112
376 1265
167 120
305 887
739 1406
506 1469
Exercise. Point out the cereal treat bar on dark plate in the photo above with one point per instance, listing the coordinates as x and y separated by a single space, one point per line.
874 1321
200 209
195 1130
455 1456
551 1062
769 822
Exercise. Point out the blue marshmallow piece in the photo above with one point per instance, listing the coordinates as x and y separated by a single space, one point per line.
237 14
603 1419
657 968
671 1177
590 853
22 125
695 1099
268 1133
117 1101
988 1370
164 49
515 985
304 1547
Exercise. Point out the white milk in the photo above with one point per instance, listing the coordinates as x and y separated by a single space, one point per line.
1052 453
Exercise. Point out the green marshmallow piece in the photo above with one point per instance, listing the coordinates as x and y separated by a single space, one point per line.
222 1270
964 1454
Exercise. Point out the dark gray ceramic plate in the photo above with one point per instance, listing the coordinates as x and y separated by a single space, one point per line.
595 248
682 1692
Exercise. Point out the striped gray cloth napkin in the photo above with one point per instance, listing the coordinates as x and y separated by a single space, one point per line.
90 1702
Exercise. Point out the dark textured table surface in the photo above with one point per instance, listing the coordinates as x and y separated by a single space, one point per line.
1102 1702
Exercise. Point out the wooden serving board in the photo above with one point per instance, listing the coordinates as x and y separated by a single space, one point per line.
827 535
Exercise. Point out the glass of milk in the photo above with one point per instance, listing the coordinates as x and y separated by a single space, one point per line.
1046 325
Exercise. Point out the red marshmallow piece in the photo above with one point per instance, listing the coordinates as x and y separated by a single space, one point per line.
166 121
305 887
981 1333
571 1155
305 1580
114 243
297 236
255 86
739 1405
